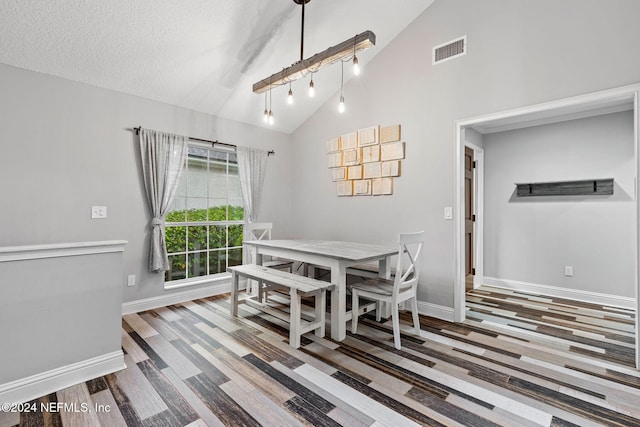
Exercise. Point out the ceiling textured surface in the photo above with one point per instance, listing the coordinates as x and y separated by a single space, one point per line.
203 55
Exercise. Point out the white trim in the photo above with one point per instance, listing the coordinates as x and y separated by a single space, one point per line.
636 136
555 291
196 281
221 287
438 311
57 250
38 385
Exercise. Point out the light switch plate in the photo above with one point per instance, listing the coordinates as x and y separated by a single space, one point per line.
448 212
98 212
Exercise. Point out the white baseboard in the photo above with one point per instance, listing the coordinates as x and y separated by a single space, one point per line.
554 291
26 389
176 297
438 311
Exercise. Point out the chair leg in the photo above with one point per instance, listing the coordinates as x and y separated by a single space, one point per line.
355 308
414 313
396 326
378 311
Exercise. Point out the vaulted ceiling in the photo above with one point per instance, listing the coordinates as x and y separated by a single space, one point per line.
203 55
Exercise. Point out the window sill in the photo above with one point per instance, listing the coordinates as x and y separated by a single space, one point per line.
196 281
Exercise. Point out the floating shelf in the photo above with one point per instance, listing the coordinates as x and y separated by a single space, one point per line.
585 187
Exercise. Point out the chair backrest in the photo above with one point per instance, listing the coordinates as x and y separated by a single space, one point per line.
257 231
408 266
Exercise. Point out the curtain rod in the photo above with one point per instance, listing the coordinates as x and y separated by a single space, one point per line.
270 152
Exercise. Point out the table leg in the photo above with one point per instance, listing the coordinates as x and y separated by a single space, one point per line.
384 267
339 316
234 293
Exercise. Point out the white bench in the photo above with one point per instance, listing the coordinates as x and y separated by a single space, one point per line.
298 287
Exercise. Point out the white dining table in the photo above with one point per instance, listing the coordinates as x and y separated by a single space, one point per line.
334 255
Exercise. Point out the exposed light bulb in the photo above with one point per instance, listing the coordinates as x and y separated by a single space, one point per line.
290 97
312 89
356 66
265 116
270 117
341 104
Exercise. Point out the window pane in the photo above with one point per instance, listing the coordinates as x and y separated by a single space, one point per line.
235 235
175 239
235 257
197 210
217 261
217 236
197 238
218 180
236 210
197 264
217 209
177 213
235 190
177 265
197 178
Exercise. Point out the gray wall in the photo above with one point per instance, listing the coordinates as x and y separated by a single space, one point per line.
67 146
531 239
54 317
519 53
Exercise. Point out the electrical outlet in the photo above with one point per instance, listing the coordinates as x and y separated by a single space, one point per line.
568 270
131 280
98 212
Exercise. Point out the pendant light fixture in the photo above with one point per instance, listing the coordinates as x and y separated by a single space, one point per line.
265 117
270 113
290 95
356 66
312 88
345 51
341 106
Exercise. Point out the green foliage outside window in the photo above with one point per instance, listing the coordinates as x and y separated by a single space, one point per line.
193 240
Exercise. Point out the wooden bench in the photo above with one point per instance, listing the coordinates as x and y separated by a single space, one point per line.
298 287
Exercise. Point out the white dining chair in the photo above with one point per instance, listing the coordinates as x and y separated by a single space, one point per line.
393 291
262 231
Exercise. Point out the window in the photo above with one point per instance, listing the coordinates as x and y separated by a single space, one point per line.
204 227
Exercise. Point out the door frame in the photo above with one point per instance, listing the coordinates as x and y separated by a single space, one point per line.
608 101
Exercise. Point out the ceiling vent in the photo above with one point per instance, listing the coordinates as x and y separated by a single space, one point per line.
449 50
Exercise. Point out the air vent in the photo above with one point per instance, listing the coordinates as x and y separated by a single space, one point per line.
449 50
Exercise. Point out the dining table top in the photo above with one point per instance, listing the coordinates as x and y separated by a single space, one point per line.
350 251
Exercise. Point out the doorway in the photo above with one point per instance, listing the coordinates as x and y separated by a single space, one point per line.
469 216
605 102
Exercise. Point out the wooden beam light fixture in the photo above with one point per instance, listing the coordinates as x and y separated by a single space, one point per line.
345 51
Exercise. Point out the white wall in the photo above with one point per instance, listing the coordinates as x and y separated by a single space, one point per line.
519 53
67 146
531 239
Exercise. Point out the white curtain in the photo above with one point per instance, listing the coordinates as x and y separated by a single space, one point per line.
163 159
252 166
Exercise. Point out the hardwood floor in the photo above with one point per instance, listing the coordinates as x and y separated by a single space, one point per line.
518 360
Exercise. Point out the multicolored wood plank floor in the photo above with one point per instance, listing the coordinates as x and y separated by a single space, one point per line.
519 360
